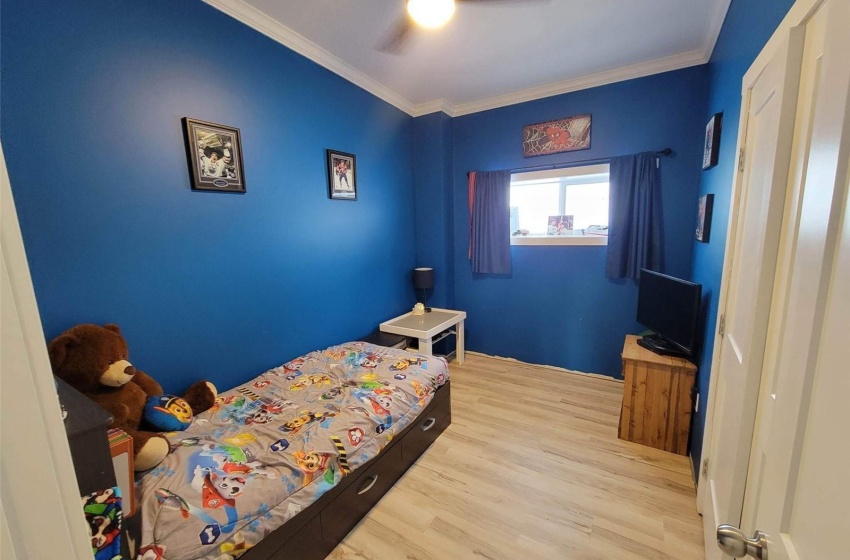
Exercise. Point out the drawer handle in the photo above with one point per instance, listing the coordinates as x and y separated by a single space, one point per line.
429 424
369 486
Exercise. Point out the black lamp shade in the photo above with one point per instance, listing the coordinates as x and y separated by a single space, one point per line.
423 278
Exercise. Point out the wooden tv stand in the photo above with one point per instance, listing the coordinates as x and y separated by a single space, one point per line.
657 400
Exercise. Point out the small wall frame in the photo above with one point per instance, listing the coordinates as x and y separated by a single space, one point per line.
711 152
342 175
706 206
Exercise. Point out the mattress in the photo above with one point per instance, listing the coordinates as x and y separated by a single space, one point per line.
271 447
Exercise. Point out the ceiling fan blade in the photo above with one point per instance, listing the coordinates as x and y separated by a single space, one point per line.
503 1
395 41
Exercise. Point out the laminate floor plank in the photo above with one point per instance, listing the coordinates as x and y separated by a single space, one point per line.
531 468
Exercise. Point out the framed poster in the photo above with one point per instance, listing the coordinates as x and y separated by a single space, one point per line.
215 156
711 150
563 135
706 205
560 225
342 176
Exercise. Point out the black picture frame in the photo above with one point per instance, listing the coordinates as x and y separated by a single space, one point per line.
711 150
704 211
342 175
215 159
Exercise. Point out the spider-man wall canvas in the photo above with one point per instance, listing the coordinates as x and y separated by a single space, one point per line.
563 135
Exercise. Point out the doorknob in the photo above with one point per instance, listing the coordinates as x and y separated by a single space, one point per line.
733 542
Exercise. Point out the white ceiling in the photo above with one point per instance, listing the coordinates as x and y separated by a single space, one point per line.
491 54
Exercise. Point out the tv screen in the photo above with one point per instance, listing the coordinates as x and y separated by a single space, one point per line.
670 307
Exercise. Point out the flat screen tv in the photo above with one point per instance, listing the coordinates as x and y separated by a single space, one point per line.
670 308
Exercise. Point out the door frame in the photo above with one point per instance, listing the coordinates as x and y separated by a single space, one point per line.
797 16
37 465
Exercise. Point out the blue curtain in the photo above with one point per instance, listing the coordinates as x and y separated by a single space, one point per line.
490 248
634 226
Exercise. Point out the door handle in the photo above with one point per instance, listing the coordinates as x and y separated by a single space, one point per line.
734 542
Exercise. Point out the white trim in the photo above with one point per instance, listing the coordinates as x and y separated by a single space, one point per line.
578 240
7 548
716 28
36 460
640 70
270 27
797 15
555 368
704 497
265 24
434 107
558 172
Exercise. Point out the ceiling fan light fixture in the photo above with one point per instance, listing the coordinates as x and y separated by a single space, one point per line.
431 13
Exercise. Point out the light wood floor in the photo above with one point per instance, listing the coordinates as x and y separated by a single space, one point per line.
531 468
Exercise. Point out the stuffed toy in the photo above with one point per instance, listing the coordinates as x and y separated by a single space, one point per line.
168 413
94 360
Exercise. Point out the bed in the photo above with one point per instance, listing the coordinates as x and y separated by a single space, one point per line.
284 466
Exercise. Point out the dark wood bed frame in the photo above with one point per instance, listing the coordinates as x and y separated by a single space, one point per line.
314 532
317 530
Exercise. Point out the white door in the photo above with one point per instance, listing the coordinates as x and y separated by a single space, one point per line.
749 277
796 488
797 492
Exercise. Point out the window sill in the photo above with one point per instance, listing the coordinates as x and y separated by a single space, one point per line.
587 240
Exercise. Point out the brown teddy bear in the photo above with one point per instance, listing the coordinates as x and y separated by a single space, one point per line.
93 360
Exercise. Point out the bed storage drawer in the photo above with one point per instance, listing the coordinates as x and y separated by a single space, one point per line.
430 424
357 498
304 544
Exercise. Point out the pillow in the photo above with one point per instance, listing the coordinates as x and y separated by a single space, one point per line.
168 413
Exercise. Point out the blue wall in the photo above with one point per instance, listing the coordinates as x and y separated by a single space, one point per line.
223 286
557 307
203 284
432 159
748 26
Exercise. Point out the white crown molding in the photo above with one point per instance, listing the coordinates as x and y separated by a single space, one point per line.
265 24
433 107
268 26
716 26
666 64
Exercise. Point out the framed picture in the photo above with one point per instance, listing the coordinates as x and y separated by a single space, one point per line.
563 135
215 156
342 176
706 204
711 150
560 225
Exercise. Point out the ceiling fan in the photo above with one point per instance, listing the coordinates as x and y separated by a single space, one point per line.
429 14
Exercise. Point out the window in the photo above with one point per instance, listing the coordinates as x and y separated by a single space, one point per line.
567 206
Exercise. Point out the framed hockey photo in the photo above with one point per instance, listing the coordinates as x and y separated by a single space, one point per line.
711 151
342 176
215 156
560 225
704 211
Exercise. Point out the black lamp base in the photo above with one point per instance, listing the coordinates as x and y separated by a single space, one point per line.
423 279
425 301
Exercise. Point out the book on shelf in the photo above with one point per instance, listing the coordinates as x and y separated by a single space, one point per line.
121 447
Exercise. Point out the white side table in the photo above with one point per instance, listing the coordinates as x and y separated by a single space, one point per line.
426 327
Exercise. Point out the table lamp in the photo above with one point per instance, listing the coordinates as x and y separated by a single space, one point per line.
423 279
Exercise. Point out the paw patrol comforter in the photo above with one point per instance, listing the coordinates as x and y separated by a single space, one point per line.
271 447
